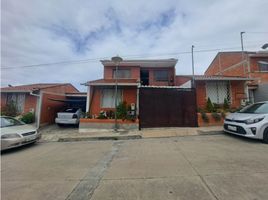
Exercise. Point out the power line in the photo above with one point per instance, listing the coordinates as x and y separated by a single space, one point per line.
265 32
125 56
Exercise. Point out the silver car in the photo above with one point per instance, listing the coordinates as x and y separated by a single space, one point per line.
69 116
15 133
251 122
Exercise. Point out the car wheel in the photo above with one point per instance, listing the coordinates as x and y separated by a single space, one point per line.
265 136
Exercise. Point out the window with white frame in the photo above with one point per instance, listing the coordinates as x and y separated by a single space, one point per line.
122 73
108 98
217 91
263 66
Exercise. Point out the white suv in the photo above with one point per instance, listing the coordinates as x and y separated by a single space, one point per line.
251 122
69 116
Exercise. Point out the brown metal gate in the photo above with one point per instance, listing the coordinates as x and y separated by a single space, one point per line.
167 107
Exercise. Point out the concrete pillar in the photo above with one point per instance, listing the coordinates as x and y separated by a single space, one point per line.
88 99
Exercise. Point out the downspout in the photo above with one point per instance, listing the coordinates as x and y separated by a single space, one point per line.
39 103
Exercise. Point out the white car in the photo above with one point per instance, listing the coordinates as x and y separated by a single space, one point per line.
15 133
69 116
251 122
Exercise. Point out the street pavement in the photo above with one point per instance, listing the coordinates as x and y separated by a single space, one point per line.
192 167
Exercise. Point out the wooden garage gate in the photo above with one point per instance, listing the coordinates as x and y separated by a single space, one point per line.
167 107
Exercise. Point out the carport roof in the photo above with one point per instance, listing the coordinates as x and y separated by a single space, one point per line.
219 78
30 87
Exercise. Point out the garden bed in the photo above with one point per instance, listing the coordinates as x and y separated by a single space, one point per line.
209 119
87 123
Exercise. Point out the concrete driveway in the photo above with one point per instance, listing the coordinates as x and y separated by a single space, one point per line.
192 167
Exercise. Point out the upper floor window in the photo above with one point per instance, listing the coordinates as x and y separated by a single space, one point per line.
263 66
122 73
161 75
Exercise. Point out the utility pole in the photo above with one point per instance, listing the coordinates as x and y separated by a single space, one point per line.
193 81
116 60
242 52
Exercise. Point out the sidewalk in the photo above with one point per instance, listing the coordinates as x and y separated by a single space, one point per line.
67 134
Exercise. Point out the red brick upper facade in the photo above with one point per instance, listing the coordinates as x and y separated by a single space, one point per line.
159 72
247 64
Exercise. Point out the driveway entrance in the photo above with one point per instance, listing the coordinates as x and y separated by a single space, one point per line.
167 107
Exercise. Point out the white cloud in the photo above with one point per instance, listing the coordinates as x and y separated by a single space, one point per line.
37 31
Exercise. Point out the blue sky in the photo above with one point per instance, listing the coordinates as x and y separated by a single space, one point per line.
37 31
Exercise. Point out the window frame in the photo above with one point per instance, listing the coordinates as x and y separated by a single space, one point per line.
118 70
264 64
119 98
157 78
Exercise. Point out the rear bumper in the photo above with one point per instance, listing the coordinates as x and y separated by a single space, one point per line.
66 121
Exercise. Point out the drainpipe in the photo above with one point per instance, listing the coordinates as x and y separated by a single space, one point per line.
39 104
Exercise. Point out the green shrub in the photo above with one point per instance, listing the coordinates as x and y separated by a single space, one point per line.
223 115
10 110
122 110
200 110
216 116
204 117
27 118
226 104
110 114
102 115
209 106
88 115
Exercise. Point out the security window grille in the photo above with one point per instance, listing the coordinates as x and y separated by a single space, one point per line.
263 66
18 100
108 98
122 73
217 91
161 75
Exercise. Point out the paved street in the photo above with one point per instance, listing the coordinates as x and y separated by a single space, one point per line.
192 167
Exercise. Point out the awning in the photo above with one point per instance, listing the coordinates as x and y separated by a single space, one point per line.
68 100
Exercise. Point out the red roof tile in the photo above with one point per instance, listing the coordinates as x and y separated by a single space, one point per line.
30 87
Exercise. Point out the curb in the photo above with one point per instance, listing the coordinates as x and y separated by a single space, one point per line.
77 139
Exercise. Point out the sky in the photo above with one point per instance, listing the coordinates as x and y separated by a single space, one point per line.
35 32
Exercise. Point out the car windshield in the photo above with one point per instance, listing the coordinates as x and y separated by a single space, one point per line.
257 108
7 121
70 110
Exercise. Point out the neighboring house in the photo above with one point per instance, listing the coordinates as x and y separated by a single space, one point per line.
217 88
244 64
38 98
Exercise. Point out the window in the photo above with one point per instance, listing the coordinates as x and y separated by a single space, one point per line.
161 75
263 66
217 91
18 100
122 73
108 98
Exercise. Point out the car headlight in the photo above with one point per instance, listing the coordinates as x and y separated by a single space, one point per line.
10 136
253 121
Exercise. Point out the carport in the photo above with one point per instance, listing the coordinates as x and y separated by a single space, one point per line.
52 104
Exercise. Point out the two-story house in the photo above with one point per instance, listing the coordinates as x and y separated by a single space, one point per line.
130 74
244 64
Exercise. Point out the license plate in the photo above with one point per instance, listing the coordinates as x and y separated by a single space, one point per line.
29 138
232 128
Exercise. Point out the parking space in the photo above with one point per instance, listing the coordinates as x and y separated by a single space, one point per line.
193 167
